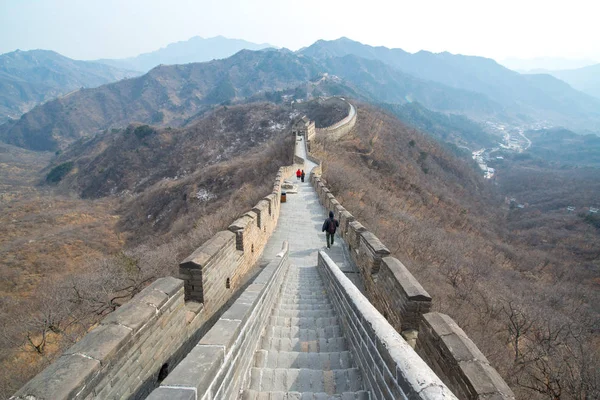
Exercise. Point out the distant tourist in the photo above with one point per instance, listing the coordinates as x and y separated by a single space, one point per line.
298 174
329 227
302 176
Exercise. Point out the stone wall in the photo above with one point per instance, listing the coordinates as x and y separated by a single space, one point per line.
392 369
395 292
389 285
217 268
123 356
310 131
216 367
132 344
451 354
340 128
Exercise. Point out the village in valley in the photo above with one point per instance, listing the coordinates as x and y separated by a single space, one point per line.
513 140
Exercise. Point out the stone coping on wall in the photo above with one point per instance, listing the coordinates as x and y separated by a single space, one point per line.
82 367
398 294
216 367
391 367
341 123
115 346
456 357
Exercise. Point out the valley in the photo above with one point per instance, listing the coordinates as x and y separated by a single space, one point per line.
491 264
481 180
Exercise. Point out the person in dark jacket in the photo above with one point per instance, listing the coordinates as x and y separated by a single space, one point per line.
329 227
302 176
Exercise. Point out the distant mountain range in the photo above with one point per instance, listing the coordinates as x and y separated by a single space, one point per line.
175 95
167 95
539 96
196 49
586 79
544 63
28 78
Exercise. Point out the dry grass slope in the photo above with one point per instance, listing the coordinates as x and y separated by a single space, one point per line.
532 310
68 261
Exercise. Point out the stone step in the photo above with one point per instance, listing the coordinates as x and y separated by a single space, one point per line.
296 359
310 323
335 381
304 313
293 301
303 333
303 280
308 307
315 282
305 295
309 346
303 292
255 395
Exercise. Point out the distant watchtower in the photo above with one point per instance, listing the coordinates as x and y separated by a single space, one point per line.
304 127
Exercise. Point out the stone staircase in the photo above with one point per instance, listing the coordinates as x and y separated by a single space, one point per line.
303 354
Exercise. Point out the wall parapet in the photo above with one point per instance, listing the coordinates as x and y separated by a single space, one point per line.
139 342
130 345
215 367
397 294
453 355
393 370
341 127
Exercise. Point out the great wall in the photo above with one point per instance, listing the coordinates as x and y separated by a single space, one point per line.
350 322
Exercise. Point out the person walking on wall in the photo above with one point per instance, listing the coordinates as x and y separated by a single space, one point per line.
329 227
298 174
302 176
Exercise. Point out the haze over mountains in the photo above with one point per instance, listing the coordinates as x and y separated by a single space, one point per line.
175 95
586 79
28 78
545 63
539 96
196 49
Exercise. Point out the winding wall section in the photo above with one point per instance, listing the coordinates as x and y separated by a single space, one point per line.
140 343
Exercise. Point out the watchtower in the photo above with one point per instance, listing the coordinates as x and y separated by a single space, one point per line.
304 127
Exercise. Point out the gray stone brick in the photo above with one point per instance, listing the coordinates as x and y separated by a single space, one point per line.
197 369
222 333
102 343
63 379
132 315
172 394
168 285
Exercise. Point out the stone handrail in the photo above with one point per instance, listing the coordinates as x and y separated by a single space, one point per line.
215 368
392 368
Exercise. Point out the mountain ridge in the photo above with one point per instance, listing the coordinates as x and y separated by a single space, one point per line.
28 78
177 94
195 49
517 93
585 79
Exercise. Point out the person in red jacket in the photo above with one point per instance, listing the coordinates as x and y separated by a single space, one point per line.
298 174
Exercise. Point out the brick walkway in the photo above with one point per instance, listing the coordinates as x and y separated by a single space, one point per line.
300 221
303 353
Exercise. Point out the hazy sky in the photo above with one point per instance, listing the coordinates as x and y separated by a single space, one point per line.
87 29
